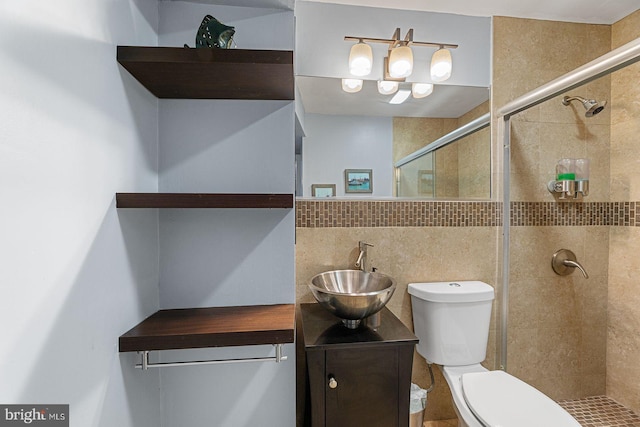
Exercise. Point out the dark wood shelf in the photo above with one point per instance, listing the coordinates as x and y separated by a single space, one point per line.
190 73
212 327
203 200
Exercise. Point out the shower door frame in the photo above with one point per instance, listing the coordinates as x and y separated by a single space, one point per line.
616 59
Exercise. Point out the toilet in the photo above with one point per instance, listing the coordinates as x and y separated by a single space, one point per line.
451 319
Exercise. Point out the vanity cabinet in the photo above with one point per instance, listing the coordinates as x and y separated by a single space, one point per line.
358 377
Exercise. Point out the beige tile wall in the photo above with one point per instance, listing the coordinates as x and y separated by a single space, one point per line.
557 329
623 338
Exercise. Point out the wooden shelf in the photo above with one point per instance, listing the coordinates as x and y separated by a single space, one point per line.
203 200
190 73
212 327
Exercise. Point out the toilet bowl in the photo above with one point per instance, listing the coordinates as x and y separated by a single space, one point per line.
451 319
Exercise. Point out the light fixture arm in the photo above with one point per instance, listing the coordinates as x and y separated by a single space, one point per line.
396 41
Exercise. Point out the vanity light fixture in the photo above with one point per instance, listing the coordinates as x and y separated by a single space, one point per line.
421 90
400 96
386 87
399 61
351 85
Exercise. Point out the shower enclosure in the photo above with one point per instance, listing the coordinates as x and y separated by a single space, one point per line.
570 336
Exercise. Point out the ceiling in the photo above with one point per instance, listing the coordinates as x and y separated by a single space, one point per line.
588 11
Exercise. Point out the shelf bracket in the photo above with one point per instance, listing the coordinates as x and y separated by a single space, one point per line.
145 364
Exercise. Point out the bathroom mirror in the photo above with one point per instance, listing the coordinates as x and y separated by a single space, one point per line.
340 131
347 131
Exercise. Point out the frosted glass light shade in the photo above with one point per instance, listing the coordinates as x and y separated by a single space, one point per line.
420 90
400 62
387 87
360 59
351 85
441 65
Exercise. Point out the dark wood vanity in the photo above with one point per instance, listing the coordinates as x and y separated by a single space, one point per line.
359 377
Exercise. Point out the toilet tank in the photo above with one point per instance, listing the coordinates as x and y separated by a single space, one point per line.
451 319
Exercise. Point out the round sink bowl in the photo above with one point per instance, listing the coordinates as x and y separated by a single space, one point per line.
352 295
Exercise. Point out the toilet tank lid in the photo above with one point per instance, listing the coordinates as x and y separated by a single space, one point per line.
453 291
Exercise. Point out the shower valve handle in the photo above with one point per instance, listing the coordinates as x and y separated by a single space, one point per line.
564 262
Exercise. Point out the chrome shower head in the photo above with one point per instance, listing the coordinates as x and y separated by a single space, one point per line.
592 106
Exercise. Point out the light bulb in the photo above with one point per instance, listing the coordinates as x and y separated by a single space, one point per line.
441 65
386 87
420 90
351 85
400 62
360 59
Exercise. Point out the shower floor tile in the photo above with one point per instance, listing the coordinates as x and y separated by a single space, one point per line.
600 411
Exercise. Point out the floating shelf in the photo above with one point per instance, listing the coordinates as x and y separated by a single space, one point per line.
212 327
203 200
190 73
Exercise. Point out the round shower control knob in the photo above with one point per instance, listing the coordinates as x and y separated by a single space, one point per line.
332 382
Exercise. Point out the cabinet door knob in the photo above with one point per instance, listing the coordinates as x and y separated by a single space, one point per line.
333 383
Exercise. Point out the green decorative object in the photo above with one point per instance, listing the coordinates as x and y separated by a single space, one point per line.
214 34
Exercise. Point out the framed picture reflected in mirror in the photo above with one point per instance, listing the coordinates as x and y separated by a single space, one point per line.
358 181
323 190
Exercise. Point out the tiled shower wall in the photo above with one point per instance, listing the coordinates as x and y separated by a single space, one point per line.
570 336
557 333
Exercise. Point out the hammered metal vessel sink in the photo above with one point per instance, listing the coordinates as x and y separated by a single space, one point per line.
352 295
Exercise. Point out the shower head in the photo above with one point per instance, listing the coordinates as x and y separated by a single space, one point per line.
592 106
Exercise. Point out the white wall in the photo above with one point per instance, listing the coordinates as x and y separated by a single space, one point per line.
335 143
223 257
226 257
75 129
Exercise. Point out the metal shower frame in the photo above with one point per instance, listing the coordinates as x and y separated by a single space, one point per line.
621 57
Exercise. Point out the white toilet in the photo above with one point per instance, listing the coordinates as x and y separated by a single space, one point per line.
451 319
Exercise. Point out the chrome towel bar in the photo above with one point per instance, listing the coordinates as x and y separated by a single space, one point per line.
145 364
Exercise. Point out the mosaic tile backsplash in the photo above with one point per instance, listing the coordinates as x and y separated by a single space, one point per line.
340 213
420 213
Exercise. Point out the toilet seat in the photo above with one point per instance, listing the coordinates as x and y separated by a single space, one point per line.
499 399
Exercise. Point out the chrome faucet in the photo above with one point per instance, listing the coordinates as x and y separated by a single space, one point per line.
362 257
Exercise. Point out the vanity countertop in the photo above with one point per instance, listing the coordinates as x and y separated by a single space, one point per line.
322 330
